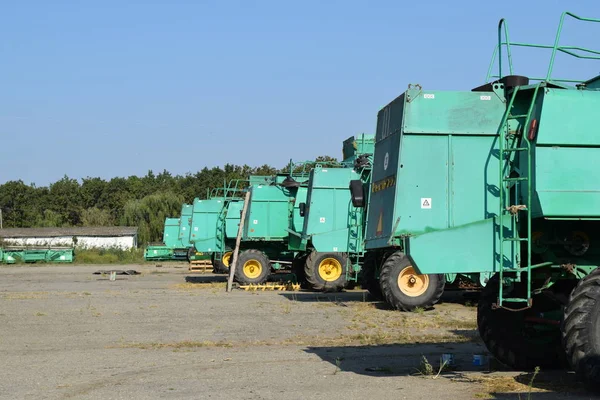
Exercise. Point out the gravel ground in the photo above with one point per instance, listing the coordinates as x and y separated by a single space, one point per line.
166 333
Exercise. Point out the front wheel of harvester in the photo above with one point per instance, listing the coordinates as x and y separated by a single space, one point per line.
519 339
406 290
222 266
581 330
253 267
326 271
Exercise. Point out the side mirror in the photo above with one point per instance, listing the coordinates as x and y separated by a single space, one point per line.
302 207
358 193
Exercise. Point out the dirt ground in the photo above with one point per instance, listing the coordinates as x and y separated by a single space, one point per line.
167 333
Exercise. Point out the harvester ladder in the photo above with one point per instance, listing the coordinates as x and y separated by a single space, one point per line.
221 232
355 252
510 145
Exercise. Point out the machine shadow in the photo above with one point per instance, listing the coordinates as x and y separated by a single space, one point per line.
206 279
466 298
408 360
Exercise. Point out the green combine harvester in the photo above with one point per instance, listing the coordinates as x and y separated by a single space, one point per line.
498 182
215 218
175 245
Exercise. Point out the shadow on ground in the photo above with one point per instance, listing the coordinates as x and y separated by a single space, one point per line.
469 298
494 381
206 279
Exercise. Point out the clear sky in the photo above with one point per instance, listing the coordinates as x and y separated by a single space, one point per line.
116 87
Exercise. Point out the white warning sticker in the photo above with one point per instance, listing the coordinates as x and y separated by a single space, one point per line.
429 96
485 98
426 202
335 249
195 229
255 222
386 161
322 220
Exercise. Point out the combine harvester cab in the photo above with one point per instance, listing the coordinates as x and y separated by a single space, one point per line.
332 234
272 226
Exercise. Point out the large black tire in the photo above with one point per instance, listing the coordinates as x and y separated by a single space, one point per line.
253 267
515 342
581 330
298 270
222 266
428 288
370 280
332 274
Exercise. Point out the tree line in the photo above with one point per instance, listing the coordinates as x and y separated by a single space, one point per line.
144 201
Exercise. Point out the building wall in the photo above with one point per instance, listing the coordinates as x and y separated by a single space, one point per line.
86 242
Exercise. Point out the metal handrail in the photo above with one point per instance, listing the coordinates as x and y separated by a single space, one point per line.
589 54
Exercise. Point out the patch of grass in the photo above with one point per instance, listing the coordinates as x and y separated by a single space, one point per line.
187 286
24 295
109 256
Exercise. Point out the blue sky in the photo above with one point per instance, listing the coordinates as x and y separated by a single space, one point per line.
116 88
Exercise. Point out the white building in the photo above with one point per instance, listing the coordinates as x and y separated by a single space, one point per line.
122 237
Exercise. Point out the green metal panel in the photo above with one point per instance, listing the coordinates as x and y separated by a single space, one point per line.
232 220
56 255
468 248
171 233
185 224
205 216
328 223
268 213
565 152
297 221
158 253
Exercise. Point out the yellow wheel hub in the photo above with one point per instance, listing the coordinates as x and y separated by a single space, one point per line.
252 269
330 269
226 259
412 284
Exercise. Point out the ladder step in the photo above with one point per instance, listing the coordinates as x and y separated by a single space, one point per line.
515 300
516 239
520 178
515 149
517 116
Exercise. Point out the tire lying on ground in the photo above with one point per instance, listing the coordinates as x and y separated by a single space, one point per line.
222 266
404 289
514 337
581 330
326 271
253 267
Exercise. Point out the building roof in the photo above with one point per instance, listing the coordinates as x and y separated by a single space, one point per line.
73 231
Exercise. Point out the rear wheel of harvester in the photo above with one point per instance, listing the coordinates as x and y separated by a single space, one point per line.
326 271
370 280
520 339
253 267
581 330
406 290
222 266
